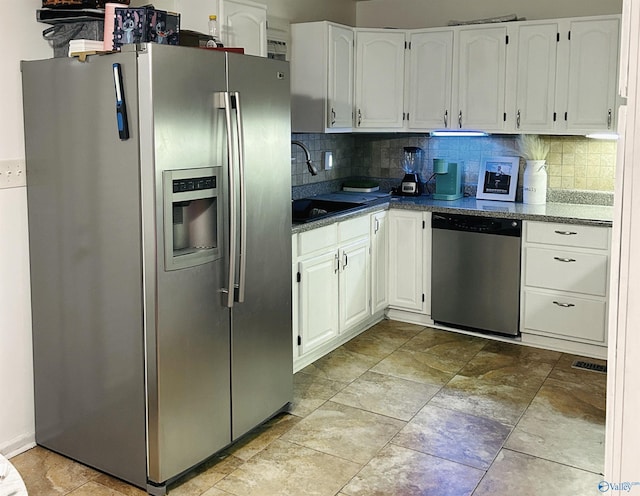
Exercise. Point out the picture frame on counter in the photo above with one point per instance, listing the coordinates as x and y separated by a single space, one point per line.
498 178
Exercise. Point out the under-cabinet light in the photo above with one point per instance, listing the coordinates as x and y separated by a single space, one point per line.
603 136
455 132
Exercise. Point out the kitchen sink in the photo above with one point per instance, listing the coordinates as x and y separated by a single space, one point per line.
309 209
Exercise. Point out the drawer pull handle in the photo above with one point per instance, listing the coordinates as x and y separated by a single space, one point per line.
561 259
564 305
566 233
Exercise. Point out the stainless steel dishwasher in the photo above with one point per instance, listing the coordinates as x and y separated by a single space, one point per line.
475 271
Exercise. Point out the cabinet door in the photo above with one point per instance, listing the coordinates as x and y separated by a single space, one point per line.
318 301
379 79
340 78
354 284
481 77
430 75
536 77
593 71
245 25
406 260
379 265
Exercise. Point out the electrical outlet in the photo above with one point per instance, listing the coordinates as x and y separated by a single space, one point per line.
12 174
327 160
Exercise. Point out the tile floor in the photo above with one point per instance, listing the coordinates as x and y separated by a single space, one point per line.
401 410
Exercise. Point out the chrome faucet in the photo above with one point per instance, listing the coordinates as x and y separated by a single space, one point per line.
312 168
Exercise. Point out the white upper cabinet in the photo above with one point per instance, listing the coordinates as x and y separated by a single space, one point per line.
480 78
379 93
428 87
244 24
592 60
322 77
536 76
340 77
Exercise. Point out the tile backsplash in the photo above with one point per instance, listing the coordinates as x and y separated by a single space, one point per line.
573 163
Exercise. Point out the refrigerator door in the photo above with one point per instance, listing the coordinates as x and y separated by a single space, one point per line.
86 269
187 324
261 324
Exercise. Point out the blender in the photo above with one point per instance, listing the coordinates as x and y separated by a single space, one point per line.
411 185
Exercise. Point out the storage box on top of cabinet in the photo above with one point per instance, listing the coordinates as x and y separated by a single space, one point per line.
565 281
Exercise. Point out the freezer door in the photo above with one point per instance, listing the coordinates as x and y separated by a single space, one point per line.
86 269
187 324
261 324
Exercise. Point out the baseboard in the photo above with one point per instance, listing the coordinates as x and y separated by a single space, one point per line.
18 445
408 316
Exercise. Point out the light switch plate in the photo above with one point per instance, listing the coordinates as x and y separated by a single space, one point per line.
327 160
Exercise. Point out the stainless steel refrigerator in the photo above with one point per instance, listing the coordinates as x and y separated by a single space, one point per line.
160 240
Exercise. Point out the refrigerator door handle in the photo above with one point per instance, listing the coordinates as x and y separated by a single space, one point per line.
243 199
223 101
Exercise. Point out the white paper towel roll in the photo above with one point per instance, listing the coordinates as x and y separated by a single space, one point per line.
109 24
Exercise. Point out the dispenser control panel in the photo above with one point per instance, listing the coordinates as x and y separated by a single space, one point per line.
198 184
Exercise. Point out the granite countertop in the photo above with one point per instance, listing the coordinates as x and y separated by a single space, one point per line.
566 213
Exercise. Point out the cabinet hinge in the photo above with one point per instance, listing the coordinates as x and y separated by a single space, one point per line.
424 224
298 277
504 117
407 45
299 341
555 116
566 115
558 37
569 36
507 39
422 297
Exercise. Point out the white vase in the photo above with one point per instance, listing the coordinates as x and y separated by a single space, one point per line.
535 182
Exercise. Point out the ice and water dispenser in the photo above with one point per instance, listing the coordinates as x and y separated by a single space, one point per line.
192 217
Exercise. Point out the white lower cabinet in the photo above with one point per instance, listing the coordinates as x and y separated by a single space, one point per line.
379 258
410 261
565 274
333 287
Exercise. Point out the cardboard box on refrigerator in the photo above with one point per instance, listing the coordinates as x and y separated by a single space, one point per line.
145 24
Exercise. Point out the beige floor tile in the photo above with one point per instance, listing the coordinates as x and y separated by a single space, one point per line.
119 486
287 469
258 439
514 370
48 473
214 491
343 431
93 488
446 344
455 436
565 372
420 367
393 332
310 391
205 476
372 344
517 473
526 353
500 402
565 423
402 472
386 395
341 365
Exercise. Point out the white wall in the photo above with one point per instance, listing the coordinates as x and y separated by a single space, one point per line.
431 13
22 39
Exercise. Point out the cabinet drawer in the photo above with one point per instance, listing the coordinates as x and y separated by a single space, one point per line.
353 228
577 318
317 240
566 270
568 235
